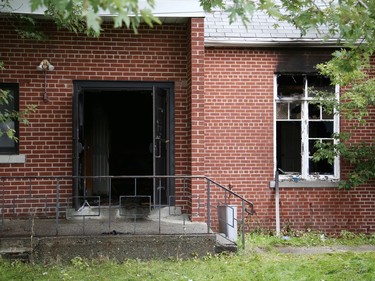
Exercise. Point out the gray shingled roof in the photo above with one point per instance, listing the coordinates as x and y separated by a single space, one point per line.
260 31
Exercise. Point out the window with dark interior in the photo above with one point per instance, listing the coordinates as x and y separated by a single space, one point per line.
8 145
300 123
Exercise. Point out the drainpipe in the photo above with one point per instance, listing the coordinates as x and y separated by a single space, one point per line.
277 203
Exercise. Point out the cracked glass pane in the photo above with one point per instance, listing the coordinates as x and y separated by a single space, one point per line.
314 111
282 111
295 110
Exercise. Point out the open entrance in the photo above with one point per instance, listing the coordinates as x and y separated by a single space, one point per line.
123 139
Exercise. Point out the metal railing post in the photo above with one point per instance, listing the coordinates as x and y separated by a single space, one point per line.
243 223
110 205
3 203
208 206
159 194
57 205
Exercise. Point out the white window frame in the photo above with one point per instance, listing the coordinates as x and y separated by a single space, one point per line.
304 135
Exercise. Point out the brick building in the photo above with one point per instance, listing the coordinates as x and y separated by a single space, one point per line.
194 96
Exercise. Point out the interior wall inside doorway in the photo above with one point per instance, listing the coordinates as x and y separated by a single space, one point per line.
118 131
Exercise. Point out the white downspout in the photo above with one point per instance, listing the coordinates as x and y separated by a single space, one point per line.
277 203
277 194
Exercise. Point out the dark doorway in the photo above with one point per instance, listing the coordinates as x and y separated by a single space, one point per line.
123 129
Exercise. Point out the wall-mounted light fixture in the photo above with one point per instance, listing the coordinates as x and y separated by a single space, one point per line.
45 66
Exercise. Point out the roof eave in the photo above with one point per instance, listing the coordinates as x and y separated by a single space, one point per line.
279 42
162 8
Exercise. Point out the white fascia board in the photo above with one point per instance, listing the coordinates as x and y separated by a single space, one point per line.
178 8
22 7
163 8
256 42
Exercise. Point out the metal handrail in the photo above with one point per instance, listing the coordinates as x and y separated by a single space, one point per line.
251 204
231 193
246 205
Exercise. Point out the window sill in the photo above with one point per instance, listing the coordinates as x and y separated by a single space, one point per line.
10 159
301 184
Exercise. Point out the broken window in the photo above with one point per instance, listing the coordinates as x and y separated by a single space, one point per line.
8 145
301 123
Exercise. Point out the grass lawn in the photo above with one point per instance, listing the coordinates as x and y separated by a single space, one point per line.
247 264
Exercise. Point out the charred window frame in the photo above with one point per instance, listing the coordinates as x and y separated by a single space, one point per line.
299 124
9 146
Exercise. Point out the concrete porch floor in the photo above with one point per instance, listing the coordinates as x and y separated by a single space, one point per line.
112 236
95 226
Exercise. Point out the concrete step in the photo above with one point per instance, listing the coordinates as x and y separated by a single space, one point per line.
16 248
118 247
223 244
114 246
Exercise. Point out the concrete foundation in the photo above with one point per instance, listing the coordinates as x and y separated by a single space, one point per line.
121 247
118 247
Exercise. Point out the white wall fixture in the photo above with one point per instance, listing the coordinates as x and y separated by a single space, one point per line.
45 66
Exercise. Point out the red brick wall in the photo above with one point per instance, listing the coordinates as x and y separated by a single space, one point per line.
159 54
239 146
196 112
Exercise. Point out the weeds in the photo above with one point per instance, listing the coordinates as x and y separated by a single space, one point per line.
245 265
80 263
309 239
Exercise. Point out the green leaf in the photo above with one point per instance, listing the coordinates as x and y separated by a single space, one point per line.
209 5
35 4
93 21
148 17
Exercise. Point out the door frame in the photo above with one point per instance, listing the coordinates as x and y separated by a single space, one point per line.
79 86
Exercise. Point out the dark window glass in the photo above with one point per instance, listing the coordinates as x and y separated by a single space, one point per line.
327 115
319 83
312 142
295 110
289 146
320 129
321 167
290 86
7 145
314 111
